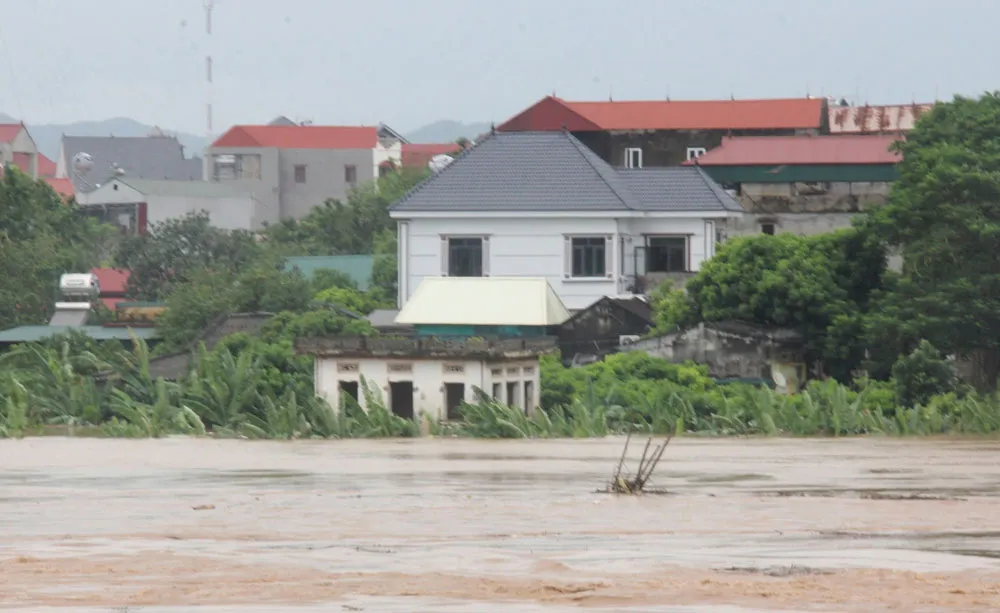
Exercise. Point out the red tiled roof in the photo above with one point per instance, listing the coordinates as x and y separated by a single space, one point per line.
773 150
552 113
300 137
63 187
112 303
9 131
415 154
46 167
111 280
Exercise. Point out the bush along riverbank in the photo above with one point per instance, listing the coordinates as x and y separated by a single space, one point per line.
236 394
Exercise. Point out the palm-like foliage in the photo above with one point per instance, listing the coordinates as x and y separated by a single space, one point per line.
222 389
161 417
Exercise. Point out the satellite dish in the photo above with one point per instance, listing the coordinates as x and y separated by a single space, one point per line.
440 162
83 163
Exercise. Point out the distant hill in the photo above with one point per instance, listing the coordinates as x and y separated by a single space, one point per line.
48 136
447 131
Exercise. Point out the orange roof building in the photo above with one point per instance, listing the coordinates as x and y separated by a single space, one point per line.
637 134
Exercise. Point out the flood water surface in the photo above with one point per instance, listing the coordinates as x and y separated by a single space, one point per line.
471 525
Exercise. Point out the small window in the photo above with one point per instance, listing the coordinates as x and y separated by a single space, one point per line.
300 173
350 174
633 157
465 257
666 254
695 152
588 256
767 228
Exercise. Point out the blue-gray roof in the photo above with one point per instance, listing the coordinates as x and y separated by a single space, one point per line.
678 188
140 157
553 171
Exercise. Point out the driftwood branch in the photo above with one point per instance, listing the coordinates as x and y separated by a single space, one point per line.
624 483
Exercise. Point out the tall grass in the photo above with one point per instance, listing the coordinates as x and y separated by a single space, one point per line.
229 395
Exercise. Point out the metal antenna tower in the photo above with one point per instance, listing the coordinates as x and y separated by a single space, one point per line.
209 5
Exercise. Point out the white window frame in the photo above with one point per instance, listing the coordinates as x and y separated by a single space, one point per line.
629 151
446 251
695 152
609 257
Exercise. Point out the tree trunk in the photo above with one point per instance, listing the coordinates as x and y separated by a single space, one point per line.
986 369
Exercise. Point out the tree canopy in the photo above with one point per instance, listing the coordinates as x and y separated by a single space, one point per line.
944 217
41 238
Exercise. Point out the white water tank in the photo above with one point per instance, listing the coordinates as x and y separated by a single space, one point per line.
79 285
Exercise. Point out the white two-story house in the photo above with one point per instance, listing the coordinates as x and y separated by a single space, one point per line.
542 204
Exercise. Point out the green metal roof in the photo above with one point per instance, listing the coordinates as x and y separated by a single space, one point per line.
31 334
357 267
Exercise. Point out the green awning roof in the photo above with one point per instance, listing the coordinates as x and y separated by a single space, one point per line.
32 334
357 267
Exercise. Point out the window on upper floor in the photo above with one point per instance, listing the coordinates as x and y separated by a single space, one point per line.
666 254
695 152
633 157
588 256
350 174
465 256
229 166
300 173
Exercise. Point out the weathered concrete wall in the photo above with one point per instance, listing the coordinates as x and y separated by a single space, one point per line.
728 353
820 197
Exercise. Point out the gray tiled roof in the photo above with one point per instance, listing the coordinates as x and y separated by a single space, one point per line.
520 171
678 188
141 157
553 171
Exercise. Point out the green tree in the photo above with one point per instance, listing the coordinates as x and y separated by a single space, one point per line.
210 293
922 374
944 216
349 227
819 285
171 252
41 238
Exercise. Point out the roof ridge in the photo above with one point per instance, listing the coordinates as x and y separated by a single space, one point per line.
584 154
713 187
419 186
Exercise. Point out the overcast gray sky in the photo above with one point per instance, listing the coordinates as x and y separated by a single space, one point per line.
409 63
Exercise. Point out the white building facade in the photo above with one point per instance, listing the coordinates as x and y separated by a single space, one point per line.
542 204
614 248
427 376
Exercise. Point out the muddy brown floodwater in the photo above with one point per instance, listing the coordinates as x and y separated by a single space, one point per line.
471 525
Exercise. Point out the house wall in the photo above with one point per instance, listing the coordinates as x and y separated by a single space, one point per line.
665 147
537 248
386 152
232 213
266 190
325 176
22 143
726 355
428 377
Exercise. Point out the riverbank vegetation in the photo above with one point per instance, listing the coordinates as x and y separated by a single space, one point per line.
236 392
883 346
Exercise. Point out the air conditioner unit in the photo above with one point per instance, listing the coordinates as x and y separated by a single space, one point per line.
628 339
